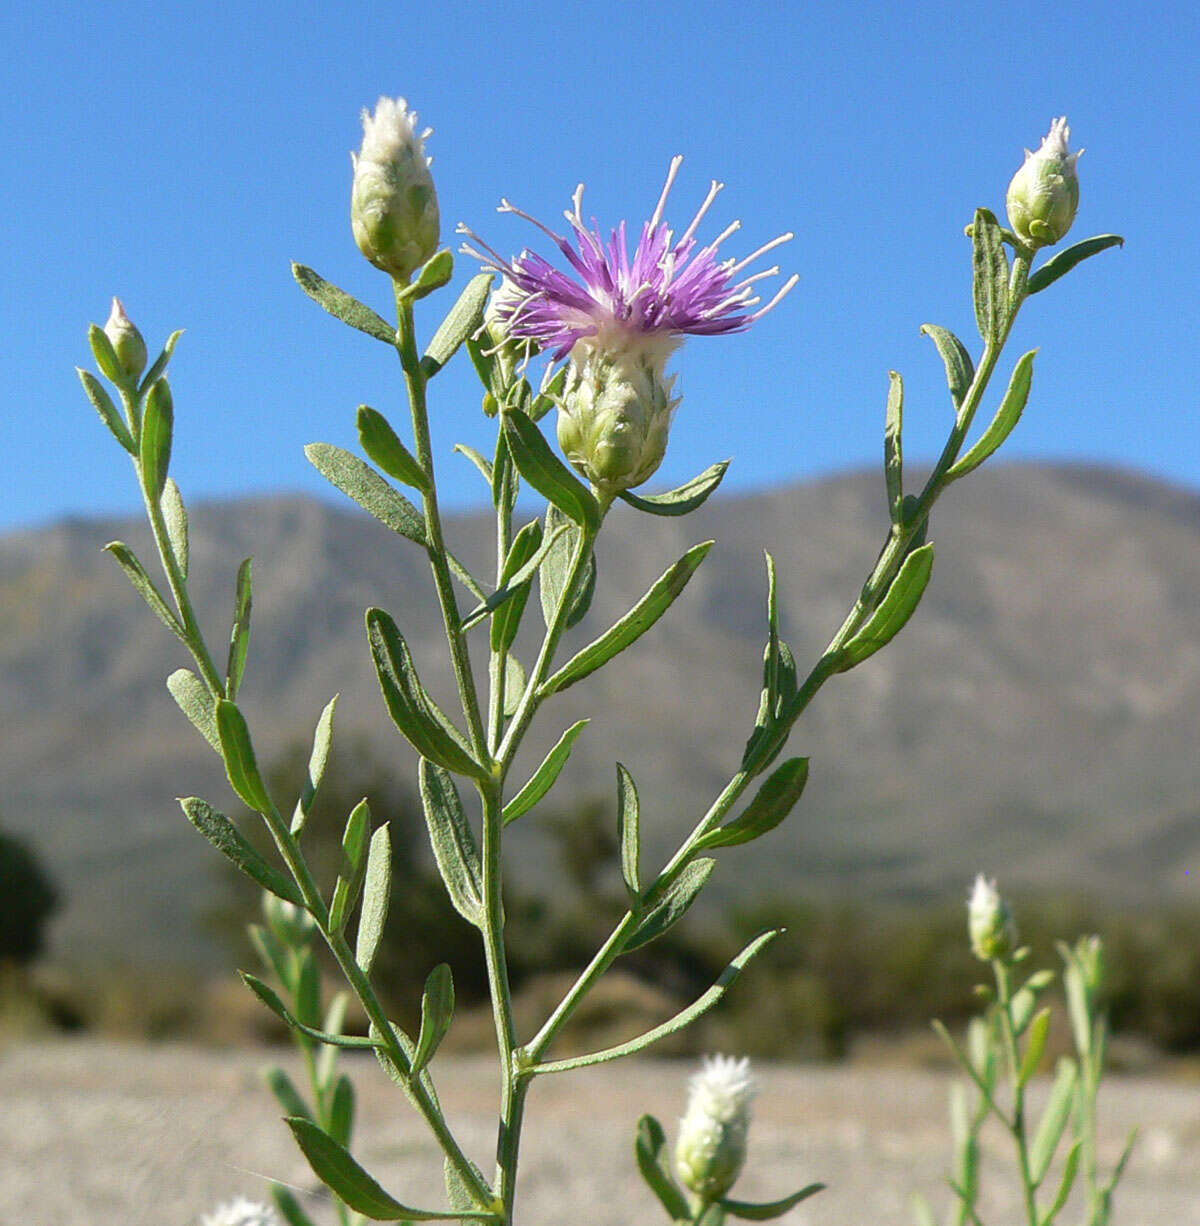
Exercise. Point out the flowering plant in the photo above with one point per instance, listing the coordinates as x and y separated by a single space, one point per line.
607 329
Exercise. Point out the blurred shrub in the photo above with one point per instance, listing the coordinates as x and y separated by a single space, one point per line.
27 901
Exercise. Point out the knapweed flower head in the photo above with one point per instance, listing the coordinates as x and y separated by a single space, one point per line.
126 340
241 1212
619 317
711 1148
393 205
1044 193
990 923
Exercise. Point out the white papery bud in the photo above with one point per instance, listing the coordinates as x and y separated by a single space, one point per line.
1044 193
711 1149
126 340
241 1212
990 924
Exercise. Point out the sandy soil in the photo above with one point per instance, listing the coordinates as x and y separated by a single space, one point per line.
100 1134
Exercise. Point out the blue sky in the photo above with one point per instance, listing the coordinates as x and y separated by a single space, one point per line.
180 156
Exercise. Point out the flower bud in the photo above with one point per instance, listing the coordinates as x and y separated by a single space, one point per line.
1044 193
990 924
616 413
241 1212
495 332
126 340
393 205
1089 953
711 1148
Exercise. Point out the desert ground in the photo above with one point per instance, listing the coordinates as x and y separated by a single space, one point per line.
108 1134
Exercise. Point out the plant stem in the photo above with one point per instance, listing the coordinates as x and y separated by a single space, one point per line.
1016 1124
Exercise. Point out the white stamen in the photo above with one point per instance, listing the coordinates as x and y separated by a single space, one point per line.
656 216
784 290
775 242
713 189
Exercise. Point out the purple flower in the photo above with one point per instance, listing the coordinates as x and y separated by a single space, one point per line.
669 288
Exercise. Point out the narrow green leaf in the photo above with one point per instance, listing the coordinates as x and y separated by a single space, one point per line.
893 461
547 473
239 634
1023 1004
105 355
960 370
670 909
894 610
286 1094
1062 263
1066 1183
433 274
317 759
335 1168
102 403
355 840
238 753
655 1167
684 498
334 1023
548 395
289 1207
457 1192
542 779
437 1010
306 1000
151 377
154 451
196 703
632 626
272 953
270 998
226 838
1053 1121
629 836
685 1017
341 1110
1002 425
135 572
484 466
412 710
769 1210
342 306
464 318
514 684
398 1073
967 1066
990 267
175 517
382 444
485 365
361 483
714 1215
772 803
552 571
1035 1047
453 843
377 892
507 602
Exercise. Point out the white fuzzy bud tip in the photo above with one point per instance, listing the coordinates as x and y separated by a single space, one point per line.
241 1212
711 1149
990 924
126 340
1044 193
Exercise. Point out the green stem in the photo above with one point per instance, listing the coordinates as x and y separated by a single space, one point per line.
1016 1124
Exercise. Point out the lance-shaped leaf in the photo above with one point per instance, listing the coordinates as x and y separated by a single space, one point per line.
685 1017
453 842
433 274
338 1171
175 518
552 572
437 1010
286 1094
894 610
714 1215
464 318
542 779
270 998
684 498
106 357
655 1166
360 482
1054 1120
1065 1183
990 283
154 447
334 1023
377 893
317 759
238 752
342 306
382 444
515 682
773 802
135 572
239 635
412 710
227 839
526 554
102 403
671 907
484 466
893 456
289 1207
769 1210
355 840
196 703
629 836
959 368
1002 425
547 473
151 377
341 1110
632 626
1035 1047
306 999
1062 263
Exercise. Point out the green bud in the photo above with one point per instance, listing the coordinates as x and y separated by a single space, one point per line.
711 1149
1089 953
990 924
393 204
615 413
1044 193
126 340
